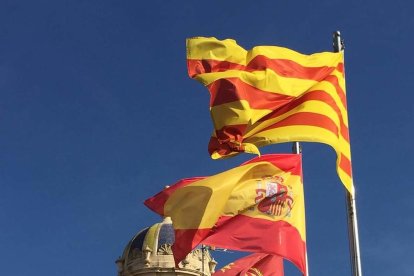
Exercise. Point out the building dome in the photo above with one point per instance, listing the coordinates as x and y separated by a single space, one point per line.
149 253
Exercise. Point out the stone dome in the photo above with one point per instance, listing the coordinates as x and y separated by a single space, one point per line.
149 253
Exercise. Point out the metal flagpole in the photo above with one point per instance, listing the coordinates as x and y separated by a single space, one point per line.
355 255
297 149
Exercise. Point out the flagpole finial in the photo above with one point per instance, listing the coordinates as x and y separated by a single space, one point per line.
338 43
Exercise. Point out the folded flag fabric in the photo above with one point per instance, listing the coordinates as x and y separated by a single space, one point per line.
256 207
257 264
272 95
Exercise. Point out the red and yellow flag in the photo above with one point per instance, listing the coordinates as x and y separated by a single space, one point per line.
272 95
257 264
256 207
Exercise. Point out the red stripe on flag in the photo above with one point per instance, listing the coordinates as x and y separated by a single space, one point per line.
345 165
334 81
196 66
233 89
259 235
289 68
341 68
316 95
344 131
283 67
308 119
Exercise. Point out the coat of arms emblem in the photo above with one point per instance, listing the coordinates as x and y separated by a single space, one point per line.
273 197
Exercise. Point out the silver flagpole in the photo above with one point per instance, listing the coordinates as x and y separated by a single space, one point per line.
353 236
296 148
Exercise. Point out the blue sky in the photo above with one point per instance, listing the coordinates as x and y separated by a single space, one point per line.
97 113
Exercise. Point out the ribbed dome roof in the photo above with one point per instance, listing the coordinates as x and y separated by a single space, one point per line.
151 238
150 250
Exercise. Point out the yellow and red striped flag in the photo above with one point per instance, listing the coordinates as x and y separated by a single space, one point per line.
256 207
272 95
257 264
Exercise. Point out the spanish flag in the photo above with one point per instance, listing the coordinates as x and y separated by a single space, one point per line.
257 264
256 207
272 95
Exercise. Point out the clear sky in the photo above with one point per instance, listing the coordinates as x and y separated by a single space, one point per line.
97 114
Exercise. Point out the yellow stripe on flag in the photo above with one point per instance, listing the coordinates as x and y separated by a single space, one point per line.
267 81
227 50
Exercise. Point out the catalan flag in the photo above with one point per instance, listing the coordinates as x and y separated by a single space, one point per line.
272 95
257 264
256 207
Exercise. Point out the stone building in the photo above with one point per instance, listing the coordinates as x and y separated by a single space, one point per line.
149 254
